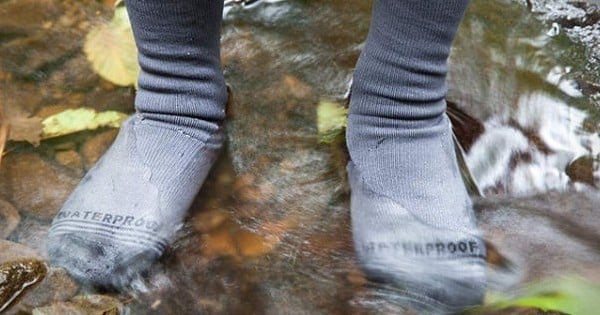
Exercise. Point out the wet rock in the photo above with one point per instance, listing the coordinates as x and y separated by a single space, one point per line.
83 305
20 269
9 219
588 87
296 87
25 96
32 233
57 286
27 57
16 277
591 16
527 231
70 159
25 16
12 251
37 188
582 170
103 98
75 74
93 148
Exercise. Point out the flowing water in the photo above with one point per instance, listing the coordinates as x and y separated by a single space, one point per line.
269 232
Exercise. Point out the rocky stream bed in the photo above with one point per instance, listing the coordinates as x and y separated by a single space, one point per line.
269 232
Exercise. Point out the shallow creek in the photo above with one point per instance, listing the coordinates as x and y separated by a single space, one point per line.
269 232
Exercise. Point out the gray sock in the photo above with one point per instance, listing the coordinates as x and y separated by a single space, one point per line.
412 219
126 210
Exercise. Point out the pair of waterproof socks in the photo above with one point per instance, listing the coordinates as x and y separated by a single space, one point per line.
412 220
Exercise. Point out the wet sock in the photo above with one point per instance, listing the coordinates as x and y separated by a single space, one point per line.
412 219
126 210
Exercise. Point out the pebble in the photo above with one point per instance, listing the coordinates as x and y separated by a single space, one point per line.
582 170
93 149
26 16
70 159
32 233
38 190
9 218
20 268
57 286
27 56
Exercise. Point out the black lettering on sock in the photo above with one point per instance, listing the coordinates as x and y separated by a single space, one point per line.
86 214
107 218
462 246
75 214
407 248
419 249
440 248
139 222
118 218
369 247
97 216
429 247
451 248
128 220
473 246
152 226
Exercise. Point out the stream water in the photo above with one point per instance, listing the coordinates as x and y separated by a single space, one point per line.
269 232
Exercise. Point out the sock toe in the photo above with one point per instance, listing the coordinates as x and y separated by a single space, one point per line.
428 265
99 262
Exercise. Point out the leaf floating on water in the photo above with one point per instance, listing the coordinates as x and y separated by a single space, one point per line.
331 120
111 50
567 295
76 120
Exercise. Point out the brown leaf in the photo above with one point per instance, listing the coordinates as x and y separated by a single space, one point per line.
22 126
3 137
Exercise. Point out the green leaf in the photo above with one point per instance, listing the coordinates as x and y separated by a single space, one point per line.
331 120
76 120
568 295
111 50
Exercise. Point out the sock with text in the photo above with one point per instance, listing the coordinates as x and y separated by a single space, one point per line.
127 208
412 219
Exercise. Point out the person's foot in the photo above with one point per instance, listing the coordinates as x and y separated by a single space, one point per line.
432 266
125 211
412 219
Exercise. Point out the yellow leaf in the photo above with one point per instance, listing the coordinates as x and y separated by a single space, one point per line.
331 120
76 120
111 50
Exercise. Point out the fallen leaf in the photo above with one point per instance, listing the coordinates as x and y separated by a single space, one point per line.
570 295
331 120
76 120
111 50
3 137
22 126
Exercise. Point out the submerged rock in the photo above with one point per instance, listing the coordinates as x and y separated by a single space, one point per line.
83 305
57 286
38 189
94 147
32 233
20 269
9 219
